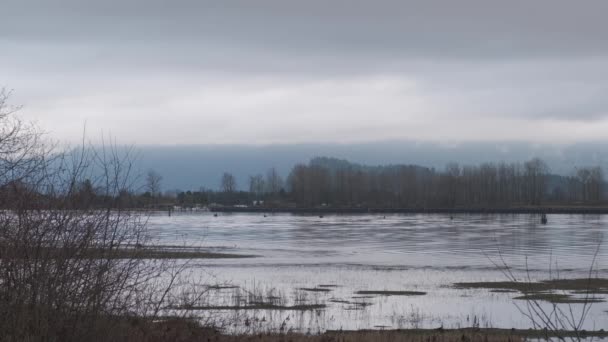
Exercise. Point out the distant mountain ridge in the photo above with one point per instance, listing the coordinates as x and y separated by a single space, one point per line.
334 164
192 167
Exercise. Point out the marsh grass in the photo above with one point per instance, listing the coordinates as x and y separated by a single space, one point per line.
259 298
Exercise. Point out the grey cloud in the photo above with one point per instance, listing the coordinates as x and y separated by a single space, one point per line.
438 29
413 66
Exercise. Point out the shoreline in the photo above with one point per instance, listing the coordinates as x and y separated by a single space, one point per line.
189 330
530 333
356 210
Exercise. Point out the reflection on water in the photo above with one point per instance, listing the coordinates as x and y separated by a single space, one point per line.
394 252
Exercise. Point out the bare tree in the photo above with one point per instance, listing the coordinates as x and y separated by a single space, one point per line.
71 271
590 183
274 182
257 185
337 182
153 183
536 178
228 183
452 171
559 320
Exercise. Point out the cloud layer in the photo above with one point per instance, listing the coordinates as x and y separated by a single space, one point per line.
203 72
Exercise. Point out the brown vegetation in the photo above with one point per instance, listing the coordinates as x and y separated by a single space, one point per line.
67 268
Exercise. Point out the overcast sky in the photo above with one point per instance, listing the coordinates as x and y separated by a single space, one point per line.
259 72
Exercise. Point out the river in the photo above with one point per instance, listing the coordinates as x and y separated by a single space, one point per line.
307 259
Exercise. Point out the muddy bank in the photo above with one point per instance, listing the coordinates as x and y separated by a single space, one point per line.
137 252
179 330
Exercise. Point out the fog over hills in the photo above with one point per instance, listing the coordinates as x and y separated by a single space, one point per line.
192 167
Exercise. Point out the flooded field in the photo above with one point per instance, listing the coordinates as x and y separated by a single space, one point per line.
395 271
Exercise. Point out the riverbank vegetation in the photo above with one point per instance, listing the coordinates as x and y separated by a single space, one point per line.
73 269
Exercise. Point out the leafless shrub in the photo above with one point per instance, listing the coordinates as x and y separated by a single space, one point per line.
63 274
559 320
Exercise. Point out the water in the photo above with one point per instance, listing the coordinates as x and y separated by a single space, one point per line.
394 252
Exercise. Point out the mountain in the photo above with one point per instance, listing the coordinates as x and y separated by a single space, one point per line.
192 167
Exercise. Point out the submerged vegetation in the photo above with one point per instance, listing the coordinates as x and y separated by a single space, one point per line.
570 289
558 298
593 285
315 289
391 293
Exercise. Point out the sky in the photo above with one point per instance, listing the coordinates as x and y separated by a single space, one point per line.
151 72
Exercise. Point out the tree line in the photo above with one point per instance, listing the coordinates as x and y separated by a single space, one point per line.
339 183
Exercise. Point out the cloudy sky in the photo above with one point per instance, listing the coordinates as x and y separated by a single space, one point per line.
261 72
